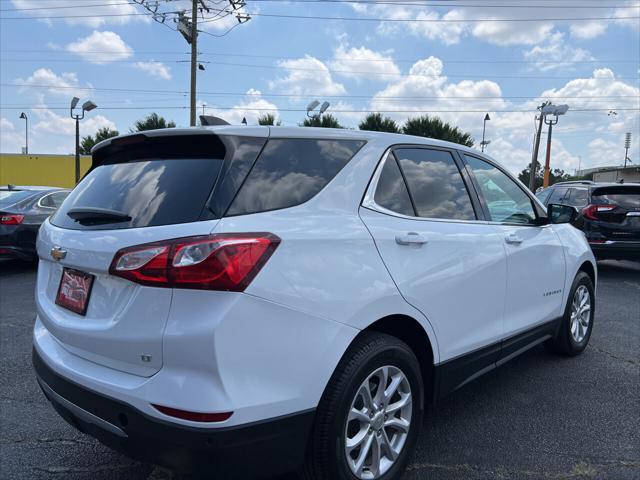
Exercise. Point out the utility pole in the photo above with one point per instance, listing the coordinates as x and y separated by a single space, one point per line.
547 161
627 146
536 148
194 59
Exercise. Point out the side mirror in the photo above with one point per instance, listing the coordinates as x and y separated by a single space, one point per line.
561 213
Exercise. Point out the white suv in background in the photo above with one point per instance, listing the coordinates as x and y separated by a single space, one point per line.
253 301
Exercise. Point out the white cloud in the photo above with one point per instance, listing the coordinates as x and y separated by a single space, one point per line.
428 91
588 30
498 26
155 69
59 85
307 76
101 47
250 107
50 122
109 11
556 53
10 139
352 62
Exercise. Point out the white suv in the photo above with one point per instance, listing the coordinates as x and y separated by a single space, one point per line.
252 301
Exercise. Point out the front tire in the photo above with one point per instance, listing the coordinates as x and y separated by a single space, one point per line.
577 322
369 416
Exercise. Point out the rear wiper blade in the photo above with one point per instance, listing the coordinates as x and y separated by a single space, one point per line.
97 215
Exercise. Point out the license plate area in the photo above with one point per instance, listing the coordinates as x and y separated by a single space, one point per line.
74 290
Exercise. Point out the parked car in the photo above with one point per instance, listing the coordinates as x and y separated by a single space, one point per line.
252 301
608 214
22 211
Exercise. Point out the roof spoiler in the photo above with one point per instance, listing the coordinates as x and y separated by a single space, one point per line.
210 120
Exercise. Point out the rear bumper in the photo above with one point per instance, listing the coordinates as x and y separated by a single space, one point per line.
616 250
256 450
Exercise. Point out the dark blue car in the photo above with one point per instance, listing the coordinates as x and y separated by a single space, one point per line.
22 211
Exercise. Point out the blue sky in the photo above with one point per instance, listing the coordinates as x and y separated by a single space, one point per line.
455 61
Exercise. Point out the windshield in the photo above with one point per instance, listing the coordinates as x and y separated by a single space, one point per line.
11 197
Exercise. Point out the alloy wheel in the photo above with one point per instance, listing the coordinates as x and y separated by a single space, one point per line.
378 423
580 313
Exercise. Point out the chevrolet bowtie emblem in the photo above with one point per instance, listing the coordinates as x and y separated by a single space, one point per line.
57 253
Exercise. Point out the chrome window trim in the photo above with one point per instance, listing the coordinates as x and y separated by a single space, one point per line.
369 202
39 203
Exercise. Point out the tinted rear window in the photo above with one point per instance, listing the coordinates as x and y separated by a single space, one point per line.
626 197
11 197
391 192
290 172
152 192
435 184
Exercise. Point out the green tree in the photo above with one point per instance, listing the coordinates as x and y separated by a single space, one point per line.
152 122
434 127
268 119
556 175
325 120
375 122
89 141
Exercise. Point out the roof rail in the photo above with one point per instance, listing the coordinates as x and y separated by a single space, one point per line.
576 182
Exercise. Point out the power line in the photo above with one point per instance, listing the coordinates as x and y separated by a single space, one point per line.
358 19
325 59
289 95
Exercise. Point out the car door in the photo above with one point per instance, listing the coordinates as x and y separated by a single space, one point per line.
445 260
535 257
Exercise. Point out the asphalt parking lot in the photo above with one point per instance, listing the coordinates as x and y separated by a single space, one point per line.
538 417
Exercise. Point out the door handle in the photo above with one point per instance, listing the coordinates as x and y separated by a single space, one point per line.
513 239
411 238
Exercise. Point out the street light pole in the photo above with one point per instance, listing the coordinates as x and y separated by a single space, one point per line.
26 132
627 146
484 129
86 107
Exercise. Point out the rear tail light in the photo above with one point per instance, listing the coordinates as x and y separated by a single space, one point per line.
214 262
592 211
8 219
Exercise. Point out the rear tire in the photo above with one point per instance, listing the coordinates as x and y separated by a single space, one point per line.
577 322
347 416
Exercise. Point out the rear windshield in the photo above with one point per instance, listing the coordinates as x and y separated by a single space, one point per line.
10 197
152 192
626 197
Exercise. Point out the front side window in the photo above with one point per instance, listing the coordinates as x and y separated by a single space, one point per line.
391 191
289 172
543 196
557 195
506 201
435 184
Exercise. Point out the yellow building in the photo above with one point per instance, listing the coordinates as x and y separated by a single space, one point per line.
49 170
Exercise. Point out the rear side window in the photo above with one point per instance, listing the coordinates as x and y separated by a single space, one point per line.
290 172
577 197
152 192
391 191
435 184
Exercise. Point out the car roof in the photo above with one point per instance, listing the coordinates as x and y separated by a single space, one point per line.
297 132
